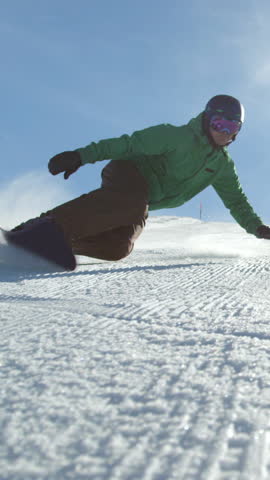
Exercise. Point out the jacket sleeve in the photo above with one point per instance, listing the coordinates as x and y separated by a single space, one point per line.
150 141
230 191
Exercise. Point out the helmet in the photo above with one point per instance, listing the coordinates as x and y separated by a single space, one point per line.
225 106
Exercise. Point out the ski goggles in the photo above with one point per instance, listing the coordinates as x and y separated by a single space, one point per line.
221 124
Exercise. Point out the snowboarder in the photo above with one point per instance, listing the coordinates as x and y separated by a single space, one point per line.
162 166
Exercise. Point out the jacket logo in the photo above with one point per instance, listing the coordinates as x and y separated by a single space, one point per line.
209 170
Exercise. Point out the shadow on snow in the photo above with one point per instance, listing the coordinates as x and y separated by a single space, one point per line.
8 275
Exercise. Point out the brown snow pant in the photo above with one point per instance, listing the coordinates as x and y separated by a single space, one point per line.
105 222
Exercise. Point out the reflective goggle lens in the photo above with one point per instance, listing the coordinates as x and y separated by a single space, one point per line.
221 124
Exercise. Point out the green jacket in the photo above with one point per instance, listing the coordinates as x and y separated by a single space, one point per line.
178 163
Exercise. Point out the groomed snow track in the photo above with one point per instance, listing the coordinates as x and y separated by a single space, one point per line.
153 368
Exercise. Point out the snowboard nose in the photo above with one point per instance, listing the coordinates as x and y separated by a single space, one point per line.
45 239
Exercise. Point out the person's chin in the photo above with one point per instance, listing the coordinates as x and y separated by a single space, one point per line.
223 143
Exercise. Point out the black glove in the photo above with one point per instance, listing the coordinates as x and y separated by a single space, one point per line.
67 162
263 232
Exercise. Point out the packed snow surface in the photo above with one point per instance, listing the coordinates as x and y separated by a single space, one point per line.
156 367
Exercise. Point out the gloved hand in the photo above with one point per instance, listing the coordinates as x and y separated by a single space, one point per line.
67 162
263 232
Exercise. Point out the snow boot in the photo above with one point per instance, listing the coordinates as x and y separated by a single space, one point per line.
44 238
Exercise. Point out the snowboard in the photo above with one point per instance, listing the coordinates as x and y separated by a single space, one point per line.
19 258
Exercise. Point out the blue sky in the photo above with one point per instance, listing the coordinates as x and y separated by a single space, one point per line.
76 72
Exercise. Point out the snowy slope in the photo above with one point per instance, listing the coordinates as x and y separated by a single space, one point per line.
153 368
